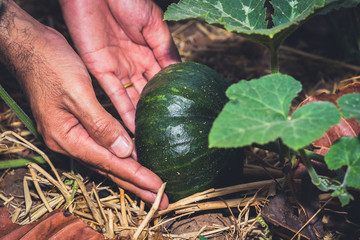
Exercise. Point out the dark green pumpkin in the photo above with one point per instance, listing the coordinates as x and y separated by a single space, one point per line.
173 119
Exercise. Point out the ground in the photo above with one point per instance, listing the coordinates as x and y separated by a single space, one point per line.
322 55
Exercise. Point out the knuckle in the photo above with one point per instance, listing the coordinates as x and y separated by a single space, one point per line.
101 128
139 171
51 144
40 130
50 139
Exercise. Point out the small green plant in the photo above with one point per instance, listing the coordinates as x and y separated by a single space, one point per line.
258 113
249 18
258 110
4 164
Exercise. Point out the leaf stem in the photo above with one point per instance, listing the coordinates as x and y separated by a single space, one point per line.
13 163
274 60
19 112
314 156
315 179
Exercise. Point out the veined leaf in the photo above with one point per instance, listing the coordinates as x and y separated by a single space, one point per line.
349 105
343 195
347 126
332 5
247 17
258 113
346 152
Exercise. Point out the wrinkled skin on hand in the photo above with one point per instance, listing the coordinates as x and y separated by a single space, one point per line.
64 105
120 41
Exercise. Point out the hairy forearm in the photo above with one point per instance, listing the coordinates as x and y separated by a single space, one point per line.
15 39
23 44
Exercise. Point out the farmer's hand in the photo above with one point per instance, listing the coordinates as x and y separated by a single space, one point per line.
64 104
120 41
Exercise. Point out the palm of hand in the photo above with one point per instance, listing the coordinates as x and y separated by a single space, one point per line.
123 48
120 41
114 67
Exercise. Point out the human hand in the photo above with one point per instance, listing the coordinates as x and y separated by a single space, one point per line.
64 105
121 41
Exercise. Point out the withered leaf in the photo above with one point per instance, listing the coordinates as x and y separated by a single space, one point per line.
59 225
279 212
347 127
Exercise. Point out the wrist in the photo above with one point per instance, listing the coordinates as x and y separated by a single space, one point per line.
25 46
21 38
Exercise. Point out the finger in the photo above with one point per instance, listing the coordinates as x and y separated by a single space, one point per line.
73 140
150 73
134 155
99 124
124 99
79 144
139 81
127 173
164 48
145 195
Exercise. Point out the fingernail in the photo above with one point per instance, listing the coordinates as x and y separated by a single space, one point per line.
122 147
134 154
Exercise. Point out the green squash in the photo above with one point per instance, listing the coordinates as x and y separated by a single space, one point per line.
173 119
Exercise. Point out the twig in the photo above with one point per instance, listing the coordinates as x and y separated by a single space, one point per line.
152 211
182 28
317 212
169 220
110 225
84 215
9 200
2 197
61 187
123 207
320 58
41 153
28 201
38 189
91 204
42 210
99 203
16 215
141 211
212 193
220 204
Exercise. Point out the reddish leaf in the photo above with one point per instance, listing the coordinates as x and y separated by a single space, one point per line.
347 127
59 225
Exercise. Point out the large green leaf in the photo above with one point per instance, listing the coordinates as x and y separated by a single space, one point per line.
247 17
346 152
350 105
258 112
331 5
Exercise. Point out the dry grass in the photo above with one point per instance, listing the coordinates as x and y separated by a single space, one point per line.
119 214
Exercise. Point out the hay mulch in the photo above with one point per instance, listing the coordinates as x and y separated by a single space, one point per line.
119 214
234 212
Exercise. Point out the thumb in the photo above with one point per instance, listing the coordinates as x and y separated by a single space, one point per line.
102 126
